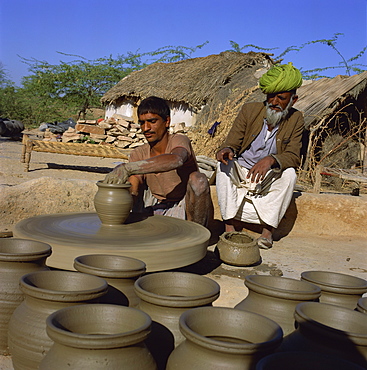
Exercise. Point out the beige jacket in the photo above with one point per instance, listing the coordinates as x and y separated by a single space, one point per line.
248 125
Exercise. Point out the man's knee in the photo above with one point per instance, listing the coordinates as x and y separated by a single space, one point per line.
198 183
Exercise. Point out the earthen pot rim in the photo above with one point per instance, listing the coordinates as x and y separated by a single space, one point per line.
177 301
308 292
98 289
224 237
362 304
60 331
102 184
37 250
83 264
352 284
223 346
309 320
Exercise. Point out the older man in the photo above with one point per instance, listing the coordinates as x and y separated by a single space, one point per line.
256 170
163 172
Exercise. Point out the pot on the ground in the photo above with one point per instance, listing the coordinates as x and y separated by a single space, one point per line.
46 292
223 338
336 288
277 297
96 336
331 330
120 273
238 249
17 258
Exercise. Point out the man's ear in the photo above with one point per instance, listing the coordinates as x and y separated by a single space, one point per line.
168 122
295 98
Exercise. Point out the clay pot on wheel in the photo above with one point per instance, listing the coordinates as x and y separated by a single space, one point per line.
238 249
336 288
331 330
119 272
46 292
304 361
277 297
17 258
96 336
223 338
113 203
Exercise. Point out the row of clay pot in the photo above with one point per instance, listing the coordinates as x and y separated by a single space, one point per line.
222 336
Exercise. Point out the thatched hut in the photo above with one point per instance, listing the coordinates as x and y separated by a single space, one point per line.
191 87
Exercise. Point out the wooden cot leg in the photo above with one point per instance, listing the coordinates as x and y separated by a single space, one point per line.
317 184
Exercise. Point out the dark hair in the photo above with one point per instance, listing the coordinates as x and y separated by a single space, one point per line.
154 105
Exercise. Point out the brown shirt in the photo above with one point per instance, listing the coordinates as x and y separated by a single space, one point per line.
171 185
248 125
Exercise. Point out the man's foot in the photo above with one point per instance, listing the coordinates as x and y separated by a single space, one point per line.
264 243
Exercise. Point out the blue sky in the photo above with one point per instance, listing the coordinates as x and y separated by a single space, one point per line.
97 28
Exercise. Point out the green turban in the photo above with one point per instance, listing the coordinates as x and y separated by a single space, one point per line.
279 78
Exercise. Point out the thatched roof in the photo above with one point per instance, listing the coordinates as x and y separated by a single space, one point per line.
193 81
319 98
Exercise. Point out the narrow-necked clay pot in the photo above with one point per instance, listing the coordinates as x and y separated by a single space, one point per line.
119 272
362 305
17 258
277 297
113 203
331 330
223 338
238 249
46 292
304 361
336 288
96 336
164 296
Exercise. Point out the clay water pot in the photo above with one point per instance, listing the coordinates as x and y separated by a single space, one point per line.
119 272
17 258
96 336
277 297
113 203
362 305
339 289
331 330
46 292
238 249
304 361
223 338
164 296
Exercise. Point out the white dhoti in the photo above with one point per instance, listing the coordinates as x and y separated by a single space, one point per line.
236 200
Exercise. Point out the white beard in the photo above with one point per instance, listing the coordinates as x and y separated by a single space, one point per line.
273 117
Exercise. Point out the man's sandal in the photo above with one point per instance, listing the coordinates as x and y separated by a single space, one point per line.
264 243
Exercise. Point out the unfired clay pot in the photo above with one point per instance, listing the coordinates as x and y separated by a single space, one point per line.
98 336
119 272
223 338
277 297
340 289
238 249
304 361
17 258
113 203
46 292
164 296
362 305
331 330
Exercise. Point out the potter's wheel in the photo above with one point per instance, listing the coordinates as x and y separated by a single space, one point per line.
162 242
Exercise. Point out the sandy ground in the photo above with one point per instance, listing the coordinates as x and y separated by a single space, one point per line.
290 256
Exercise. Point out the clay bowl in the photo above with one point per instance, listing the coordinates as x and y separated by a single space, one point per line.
238 249
336 288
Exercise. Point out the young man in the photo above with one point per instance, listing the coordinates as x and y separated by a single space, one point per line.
163 173
263 143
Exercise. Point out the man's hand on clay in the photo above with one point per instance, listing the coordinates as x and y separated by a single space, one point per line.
260 169
119 175
224 155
